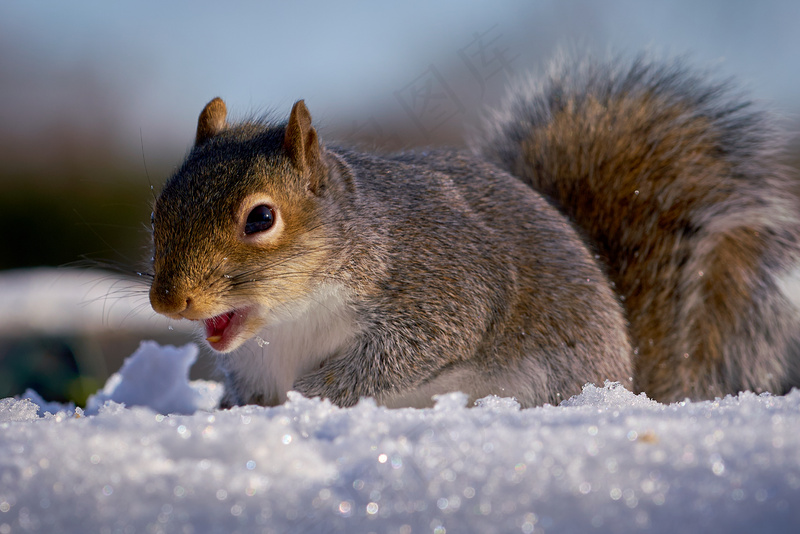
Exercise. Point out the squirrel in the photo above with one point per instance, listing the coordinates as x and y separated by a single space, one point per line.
615 221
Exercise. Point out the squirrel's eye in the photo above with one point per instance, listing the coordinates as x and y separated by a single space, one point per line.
260 219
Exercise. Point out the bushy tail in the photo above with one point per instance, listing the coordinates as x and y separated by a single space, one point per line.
674 182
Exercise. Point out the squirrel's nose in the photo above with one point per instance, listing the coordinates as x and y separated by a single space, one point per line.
168 300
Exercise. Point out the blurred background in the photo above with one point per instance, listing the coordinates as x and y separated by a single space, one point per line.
99 102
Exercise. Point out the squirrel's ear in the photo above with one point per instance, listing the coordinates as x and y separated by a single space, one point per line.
211 121
302 146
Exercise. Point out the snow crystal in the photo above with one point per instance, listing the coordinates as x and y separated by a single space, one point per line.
613 395
606 460
48 407
13 410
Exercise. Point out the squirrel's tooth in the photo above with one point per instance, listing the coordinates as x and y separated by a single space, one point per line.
214 339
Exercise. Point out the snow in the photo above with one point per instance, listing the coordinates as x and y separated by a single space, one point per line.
156 376
603 461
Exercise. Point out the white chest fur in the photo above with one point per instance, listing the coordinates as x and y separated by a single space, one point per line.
296 341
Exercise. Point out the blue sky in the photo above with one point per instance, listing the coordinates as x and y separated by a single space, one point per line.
154 64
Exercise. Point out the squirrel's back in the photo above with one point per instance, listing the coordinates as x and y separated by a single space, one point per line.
676 183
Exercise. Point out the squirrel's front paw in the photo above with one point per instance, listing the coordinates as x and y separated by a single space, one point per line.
324 383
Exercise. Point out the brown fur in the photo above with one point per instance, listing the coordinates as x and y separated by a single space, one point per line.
211 121
676 186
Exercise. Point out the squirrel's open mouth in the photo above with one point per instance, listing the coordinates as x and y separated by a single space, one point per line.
222 332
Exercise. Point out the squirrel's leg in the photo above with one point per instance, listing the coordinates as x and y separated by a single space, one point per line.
375 366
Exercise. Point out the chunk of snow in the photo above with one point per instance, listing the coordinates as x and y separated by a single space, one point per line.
158 377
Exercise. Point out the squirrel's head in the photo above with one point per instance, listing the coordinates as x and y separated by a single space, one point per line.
238 231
